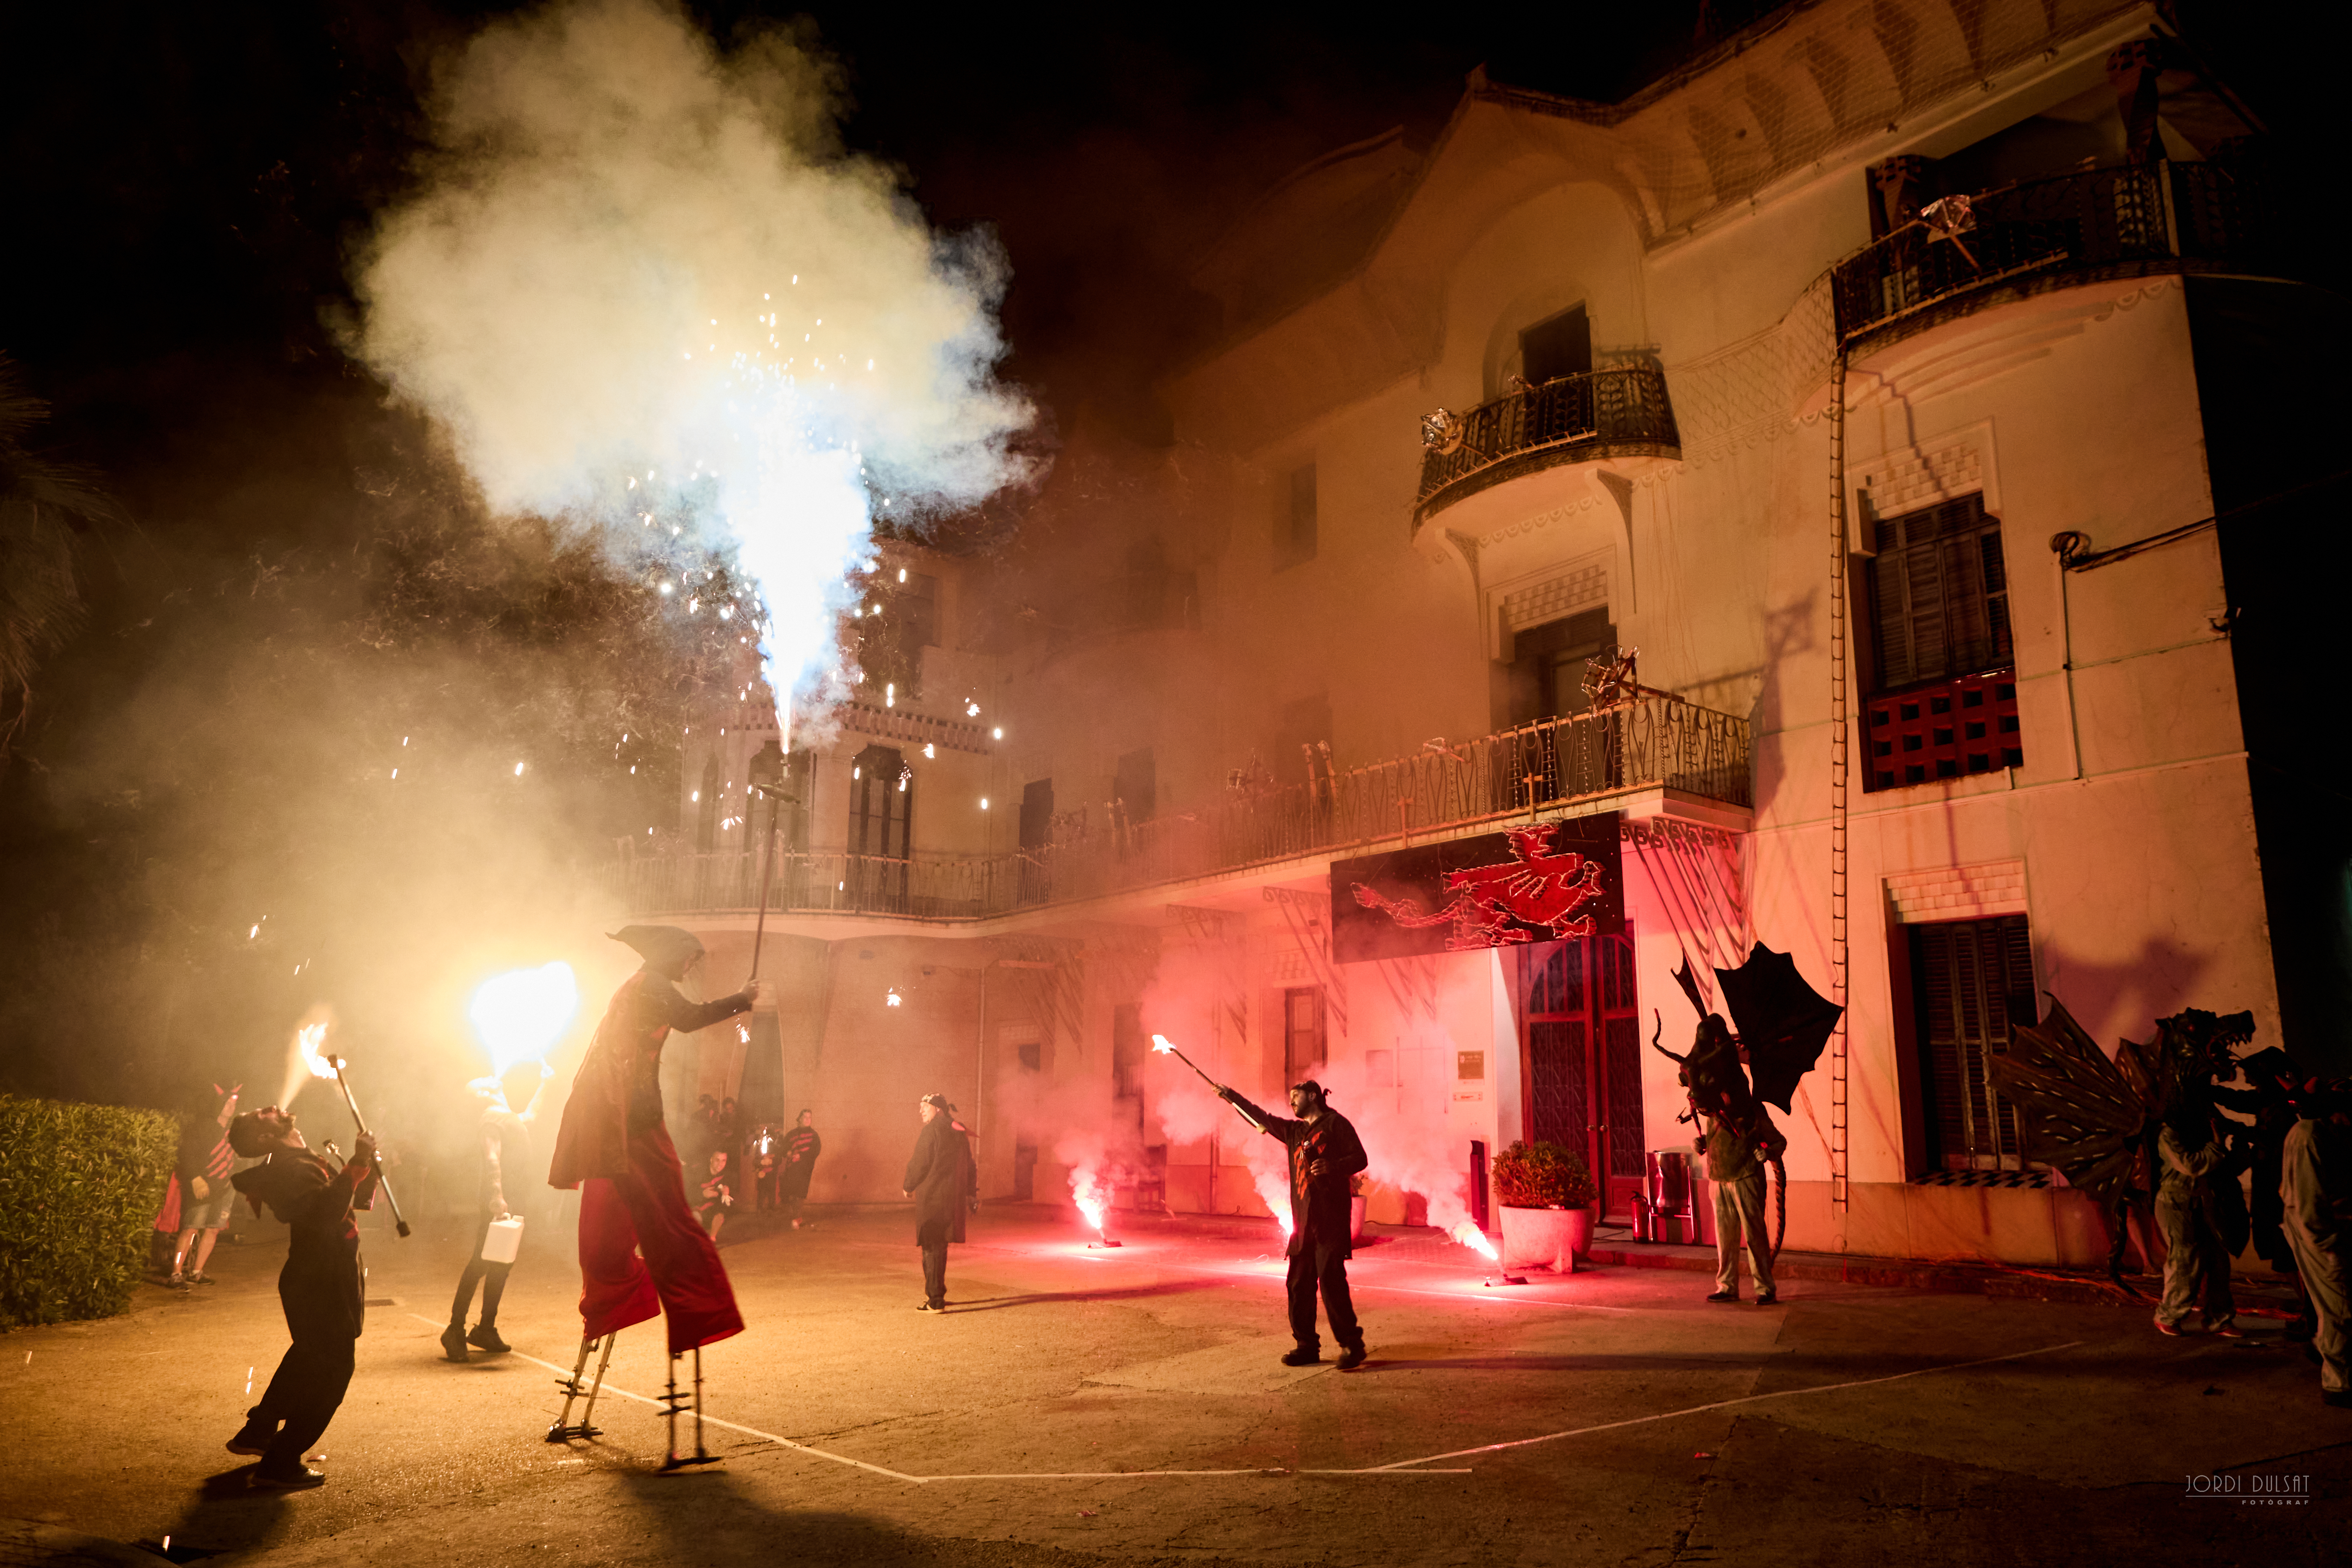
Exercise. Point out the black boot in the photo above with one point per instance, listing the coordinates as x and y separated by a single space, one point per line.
453 1343
253 1438
486 1337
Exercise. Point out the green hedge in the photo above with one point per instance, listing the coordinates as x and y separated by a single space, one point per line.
79 1185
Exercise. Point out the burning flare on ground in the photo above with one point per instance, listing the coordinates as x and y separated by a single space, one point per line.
1093 1197
1471 1236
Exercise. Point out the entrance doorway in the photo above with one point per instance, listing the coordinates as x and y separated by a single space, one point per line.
1584 1060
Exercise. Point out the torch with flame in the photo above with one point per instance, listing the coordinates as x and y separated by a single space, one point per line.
307 1040
1162 1046
520 1014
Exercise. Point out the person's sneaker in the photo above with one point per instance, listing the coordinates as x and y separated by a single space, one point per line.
1351 1358
1770 1298
2164 1328
201 1279
177 1281
486 1337
932 1307
452 1343
301 1478
1302 1356
2339 1397
252 1439
2226 1332
1725 1296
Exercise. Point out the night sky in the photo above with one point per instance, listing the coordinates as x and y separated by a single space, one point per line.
300 576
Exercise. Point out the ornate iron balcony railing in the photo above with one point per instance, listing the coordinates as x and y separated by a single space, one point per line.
1622 412
2122 221
1650 743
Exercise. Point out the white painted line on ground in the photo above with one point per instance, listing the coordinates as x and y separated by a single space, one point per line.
1718 1405
609 1389
613 1389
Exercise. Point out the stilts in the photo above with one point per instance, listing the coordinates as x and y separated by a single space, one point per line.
671 1401
564 1431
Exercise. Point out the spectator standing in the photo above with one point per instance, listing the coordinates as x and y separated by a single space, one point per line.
718 1194
202 1171
941 1179
802 1146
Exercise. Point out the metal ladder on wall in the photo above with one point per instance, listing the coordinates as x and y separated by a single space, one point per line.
1838 768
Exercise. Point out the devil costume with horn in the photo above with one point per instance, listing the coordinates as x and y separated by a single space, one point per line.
641 1251
1783 1024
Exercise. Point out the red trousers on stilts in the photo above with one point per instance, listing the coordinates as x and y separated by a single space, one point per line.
679 1273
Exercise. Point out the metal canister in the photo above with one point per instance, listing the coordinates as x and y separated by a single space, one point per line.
1672 1216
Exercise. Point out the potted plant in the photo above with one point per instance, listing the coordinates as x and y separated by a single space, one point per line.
1545 1194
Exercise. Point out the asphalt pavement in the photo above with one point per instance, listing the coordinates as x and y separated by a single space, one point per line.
1080 1405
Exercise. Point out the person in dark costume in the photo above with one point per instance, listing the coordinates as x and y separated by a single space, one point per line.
2272 1081
802 1146
641 1251
941 1181
1324 1153
321 1288
509 1177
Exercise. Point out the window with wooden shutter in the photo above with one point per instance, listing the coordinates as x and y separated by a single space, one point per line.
1940 594
1944 701
1970 979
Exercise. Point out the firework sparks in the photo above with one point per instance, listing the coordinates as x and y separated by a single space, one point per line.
520 1014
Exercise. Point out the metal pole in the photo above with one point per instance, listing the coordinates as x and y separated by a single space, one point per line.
767 864
399 1224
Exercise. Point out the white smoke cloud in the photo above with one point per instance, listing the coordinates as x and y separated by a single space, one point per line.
642 276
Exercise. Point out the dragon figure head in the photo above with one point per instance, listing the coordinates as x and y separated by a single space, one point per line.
2199 1047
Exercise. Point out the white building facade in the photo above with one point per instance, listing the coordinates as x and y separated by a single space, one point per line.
1852 375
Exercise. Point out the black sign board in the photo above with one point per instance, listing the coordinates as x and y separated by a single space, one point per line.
1539 883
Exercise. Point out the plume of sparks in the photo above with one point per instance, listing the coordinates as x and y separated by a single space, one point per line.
1093 1197
520 1014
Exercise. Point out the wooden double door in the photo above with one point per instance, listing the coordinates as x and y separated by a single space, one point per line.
1582 1059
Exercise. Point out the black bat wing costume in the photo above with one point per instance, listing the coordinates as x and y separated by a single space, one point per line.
1782 1023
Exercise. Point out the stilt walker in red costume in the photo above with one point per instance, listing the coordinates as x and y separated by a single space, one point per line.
641 1251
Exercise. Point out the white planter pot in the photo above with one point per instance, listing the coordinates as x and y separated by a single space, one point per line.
1546 1239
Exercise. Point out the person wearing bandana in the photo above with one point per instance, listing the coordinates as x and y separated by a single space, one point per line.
323 1288
1324 1153
641 1250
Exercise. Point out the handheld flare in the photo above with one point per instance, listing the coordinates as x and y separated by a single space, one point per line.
1162 1046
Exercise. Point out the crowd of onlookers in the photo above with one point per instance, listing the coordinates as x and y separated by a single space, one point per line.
761 1168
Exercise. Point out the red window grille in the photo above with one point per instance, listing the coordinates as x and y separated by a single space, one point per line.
1949 729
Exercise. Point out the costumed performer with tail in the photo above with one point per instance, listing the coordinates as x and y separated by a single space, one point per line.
641 1250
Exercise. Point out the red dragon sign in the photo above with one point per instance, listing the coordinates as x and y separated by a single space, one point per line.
1493 905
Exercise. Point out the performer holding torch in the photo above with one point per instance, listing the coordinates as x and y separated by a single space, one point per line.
323 1288
1324 1153
640 1249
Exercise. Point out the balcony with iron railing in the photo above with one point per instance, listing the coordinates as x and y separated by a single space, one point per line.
2132 220
1616 413
1651 743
